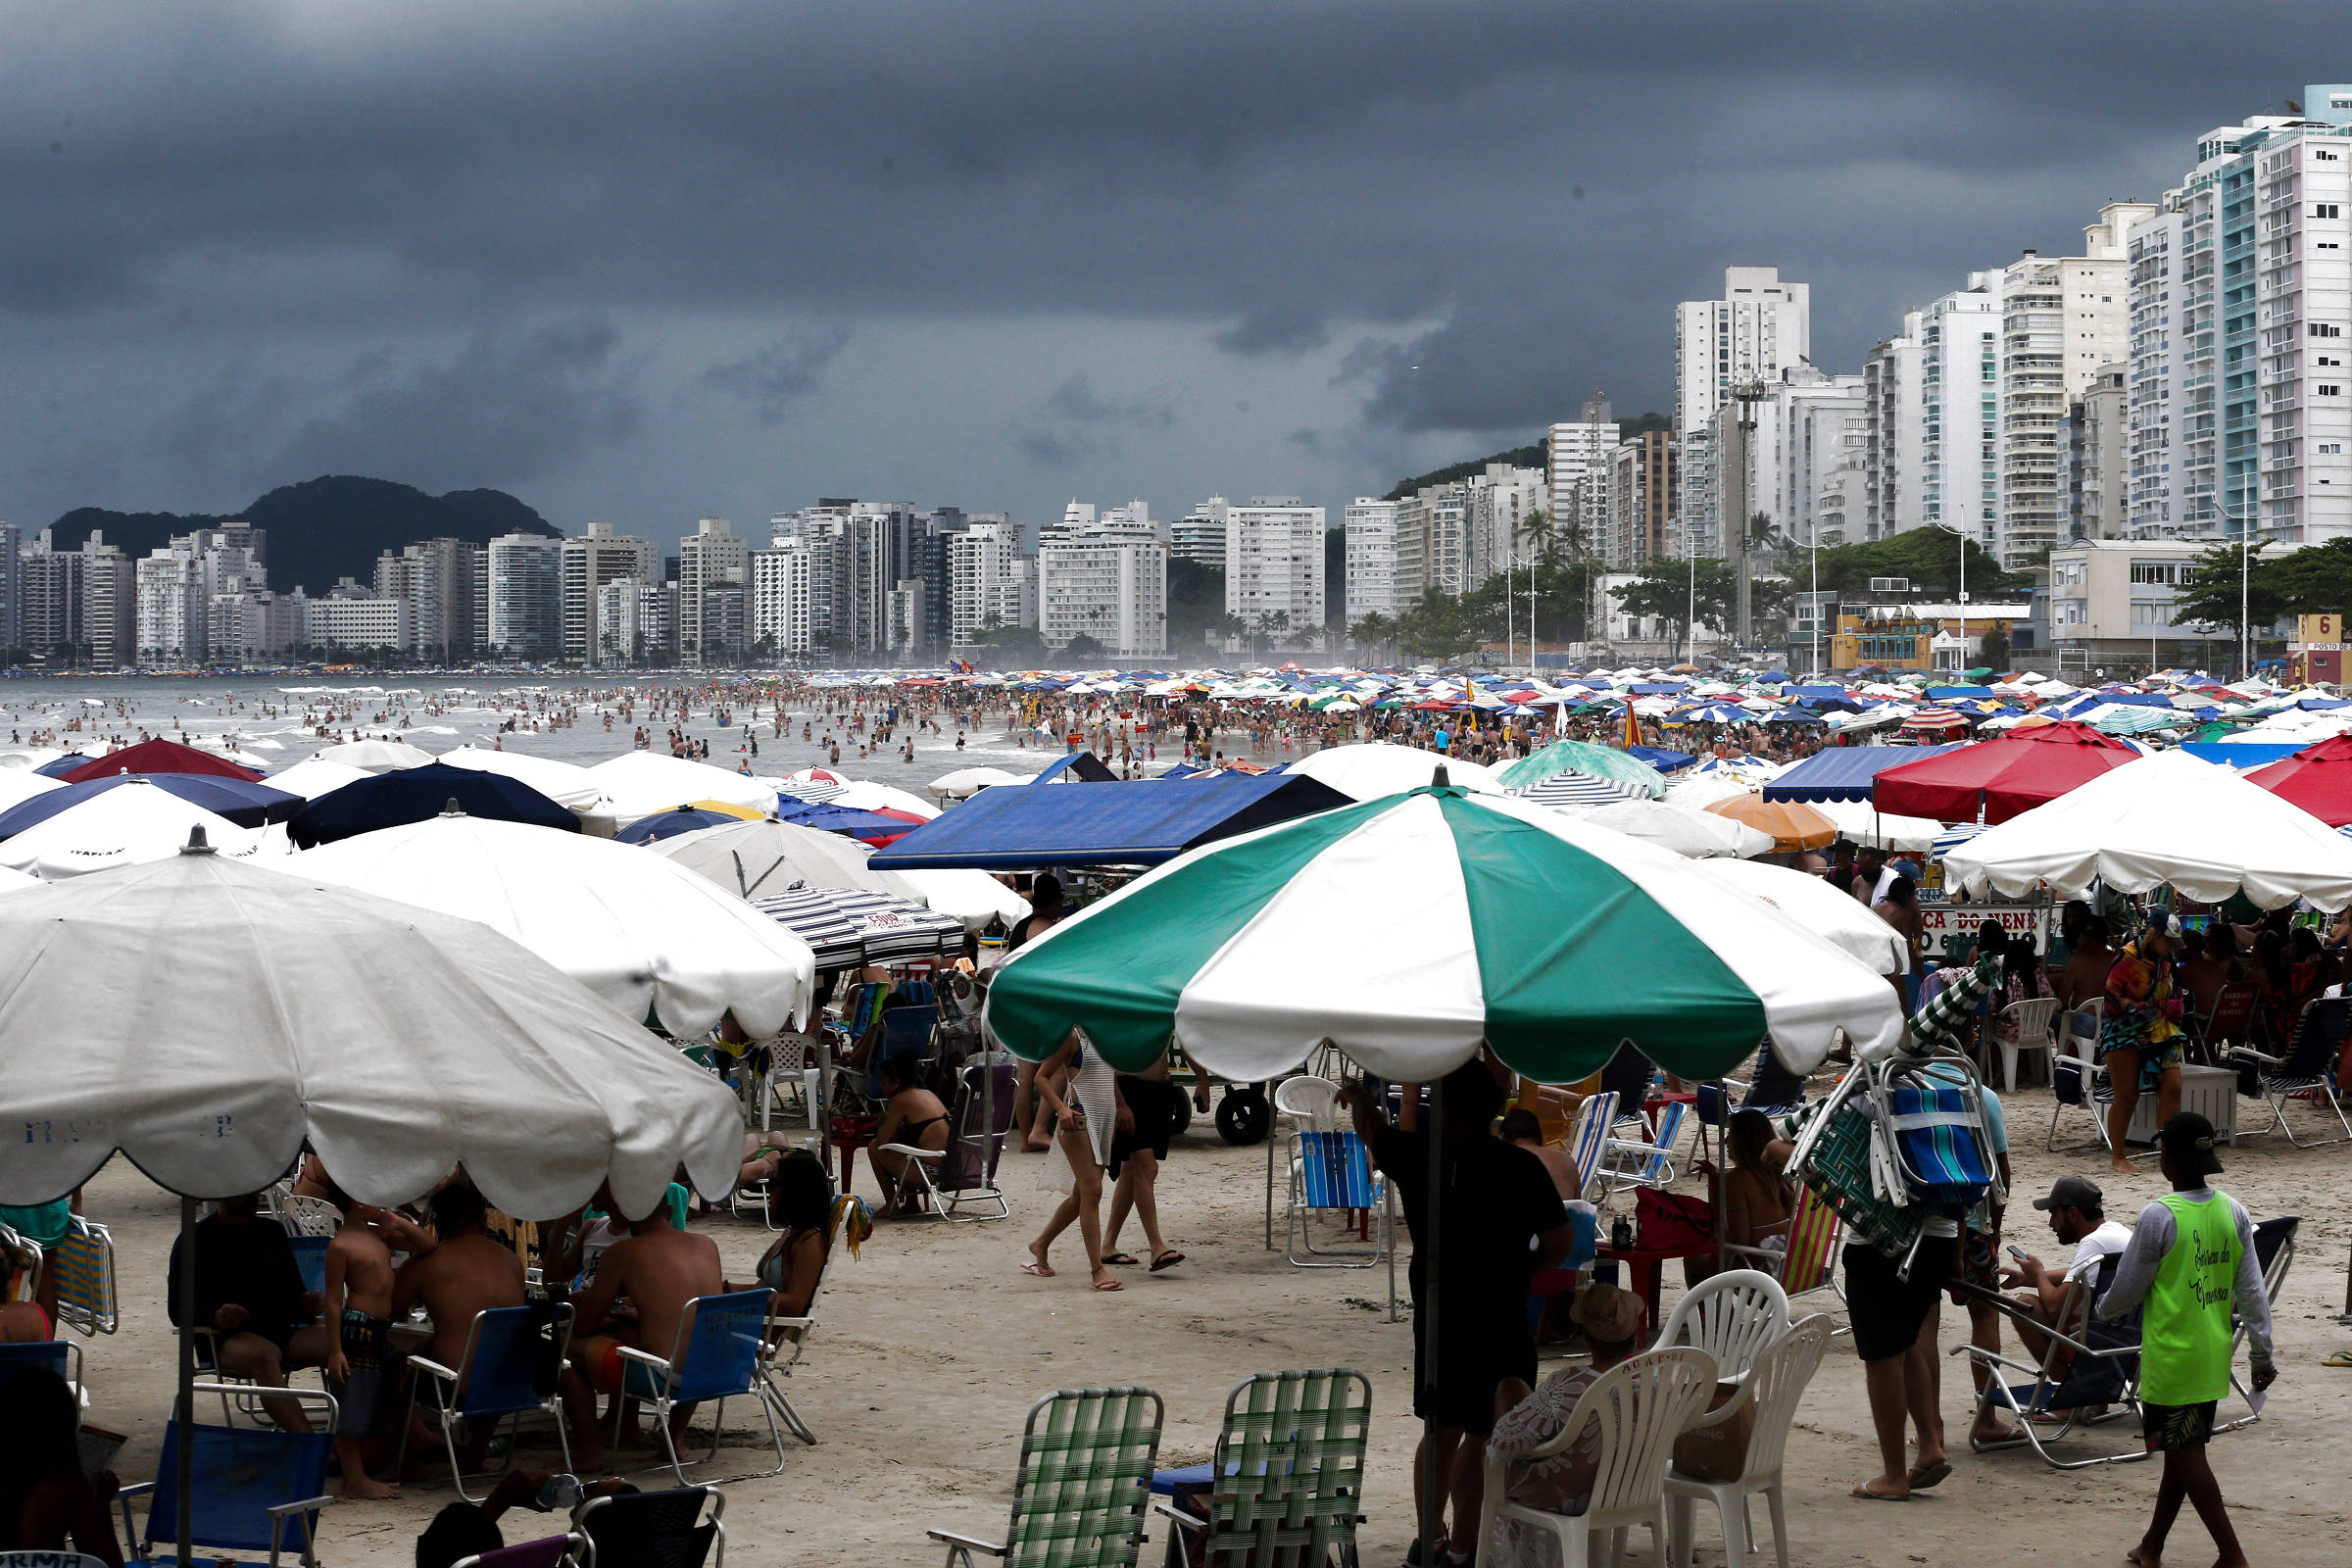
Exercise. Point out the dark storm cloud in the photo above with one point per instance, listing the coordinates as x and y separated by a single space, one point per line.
1389 174
787 371
1073 425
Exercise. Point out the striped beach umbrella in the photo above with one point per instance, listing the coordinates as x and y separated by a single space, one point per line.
1583 756
1410 929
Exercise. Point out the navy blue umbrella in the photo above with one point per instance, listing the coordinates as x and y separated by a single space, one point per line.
246 804
418 793
64 764
867 825
667 825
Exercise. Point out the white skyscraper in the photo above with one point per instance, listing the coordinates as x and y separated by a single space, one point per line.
1108 586
1371 558
2062 318
1579 455
2239 389
1959 444
710 558
1759 328
594 558
990 582
1274 566
525 598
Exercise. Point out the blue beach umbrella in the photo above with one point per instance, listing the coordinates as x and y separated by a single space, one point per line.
246 804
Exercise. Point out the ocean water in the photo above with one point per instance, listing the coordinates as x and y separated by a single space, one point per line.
276 719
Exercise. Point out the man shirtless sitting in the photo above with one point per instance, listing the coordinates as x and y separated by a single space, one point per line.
468 1273
658 1269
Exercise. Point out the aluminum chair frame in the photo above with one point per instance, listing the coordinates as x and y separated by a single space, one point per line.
449 1408
660 1405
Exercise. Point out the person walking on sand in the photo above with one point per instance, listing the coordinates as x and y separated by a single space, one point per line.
1084 1121
2191 1262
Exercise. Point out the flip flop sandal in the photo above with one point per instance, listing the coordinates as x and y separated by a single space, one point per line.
1930 1476
1107 1285
1166 1261
1864 1492
2339 1359
1039 1270
1121 1259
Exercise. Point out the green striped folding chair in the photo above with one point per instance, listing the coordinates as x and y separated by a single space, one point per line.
1287 1485
1085 1475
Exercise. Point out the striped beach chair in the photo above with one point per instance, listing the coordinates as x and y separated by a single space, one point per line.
1287 1482
1589 1139
84 1264
1333 1170
1084 1480
1632 1162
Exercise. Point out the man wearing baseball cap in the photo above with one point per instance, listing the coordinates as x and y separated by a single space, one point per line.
2191 1263
2077 1212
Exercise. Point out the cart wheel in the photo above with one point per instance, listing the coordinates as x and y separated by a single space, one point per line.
1242 1116
1184 1114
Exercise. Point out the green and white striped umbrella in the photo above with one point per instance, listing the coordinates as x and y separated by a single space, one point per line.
1583 756
1410 928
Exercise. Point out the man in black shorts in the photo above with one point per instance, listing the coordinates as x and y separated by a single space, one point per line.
1502 1223
1894 1324
1148 1106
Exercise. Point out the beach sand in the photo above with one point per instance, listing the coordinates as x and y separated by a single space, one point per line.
932 1347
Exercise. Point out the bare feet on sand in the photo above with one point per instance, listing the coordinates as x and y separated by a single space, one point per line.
366 1489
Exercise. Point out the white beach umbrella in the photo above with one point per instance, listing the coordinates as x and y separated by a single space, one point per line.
1694 835
247 1011
1696 791
641 783
1864 823
315 777
864 795
1381 767
757 859
2168 818
966 782
638 930
1838 918
19 785
129 825
568 785
375 757
12 881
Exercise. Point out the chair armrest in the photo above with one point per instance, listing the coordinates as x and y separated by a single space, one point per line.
2250 1053
647 1356
927 1155
995 1548
306 1505
1164 1505
434 1367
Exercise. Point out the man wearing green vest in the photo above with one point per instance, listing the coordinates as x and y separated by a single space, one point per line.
2190 1264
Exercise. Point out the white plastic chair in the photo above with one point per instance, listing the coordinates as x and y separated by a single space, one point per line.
309 1217
1643 1404
1772 1389
1734 1316
2030 1030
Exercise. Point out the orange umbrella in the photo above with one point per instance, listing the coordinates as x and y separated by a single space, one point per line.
1792 824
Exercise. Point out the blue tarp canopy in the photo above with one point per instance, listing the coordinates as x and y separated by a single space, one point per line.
2252 753
1948 694
1843 772
1076 767
1659 757
1142 822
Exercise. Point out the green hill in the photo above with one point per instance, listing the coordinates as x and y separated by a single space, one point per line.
324 528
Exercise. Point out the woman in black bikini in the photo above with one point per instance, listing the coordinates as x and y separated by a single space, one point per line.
911 1115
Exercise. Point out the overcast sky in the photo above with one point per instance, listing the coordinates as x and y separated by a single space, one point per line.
646 262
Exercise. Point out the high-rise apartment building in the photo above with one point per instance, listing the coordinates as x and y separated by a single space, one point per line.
1433 542
1274 565
110 604
1111 587
12 588
707 557
446 580
1200 534
2239 389
590 561
526 597
1761 328
780 584
1959 444
1511 515
1577 458
991 584
1371 558
636 621
50 598
172 614
1642 502
362 622
2062 318
2096 470
1894 390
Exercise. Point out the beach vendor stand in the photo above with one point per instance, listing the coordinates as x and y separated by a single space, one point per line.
1412 930
251 1013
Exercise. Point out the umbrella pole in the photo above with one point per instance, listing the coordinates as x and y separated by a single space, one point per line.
1436 1485
184 1409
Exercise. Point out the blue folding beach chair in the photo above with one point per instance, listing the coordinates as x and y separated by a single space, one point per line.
1640 1163
505 1349
250 1484
60 1356
1333 1170
715 1359
310 1257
